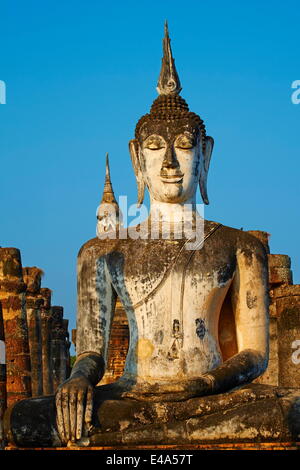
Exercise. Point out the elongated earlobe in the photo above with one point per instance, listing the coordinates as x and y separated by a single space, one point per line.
134 153
209 144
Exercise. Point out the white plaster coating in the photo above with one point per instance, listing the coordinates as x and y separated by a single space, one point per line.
252 321
165 307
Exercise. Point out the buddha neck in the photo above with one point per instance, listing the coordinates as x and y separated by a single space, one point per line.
174 215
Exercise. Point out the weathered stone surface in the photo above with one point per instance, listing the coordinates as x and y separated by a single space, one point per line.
270 376
280 275
59 347
254 413
2 377
32 278
45 315
25 427
252 422
262 236
118 346
173 297
57 339
65 353
73 337
289 340
35 347
45 295
285 291
122 415
46 351
279 261
13 303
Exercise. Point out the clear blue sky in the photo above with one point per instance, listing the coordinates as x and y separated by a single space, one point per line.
80 74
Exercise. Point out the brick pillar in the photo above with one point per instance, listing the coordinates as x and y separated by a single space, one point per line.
279 270
2 377
287 300
32 278
12 299
279 275
73 337
57 344
46 320
118 346
66 361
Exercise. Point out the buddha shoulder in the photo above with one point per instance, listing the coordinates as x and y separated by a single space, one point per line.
95 248
243 241
109 244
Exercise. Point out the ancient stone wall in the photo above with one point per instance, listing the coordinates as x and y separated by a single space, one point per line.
34 341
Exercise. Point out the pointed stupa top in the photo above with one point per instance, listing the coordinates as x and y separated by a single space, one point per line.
108 196
109 216
168 82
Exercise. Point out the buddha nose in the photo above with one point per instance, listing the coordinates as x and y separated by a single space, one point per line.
170 160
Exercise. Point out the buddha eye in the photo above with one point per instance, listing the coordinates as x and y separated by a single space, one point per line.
154 144
184 143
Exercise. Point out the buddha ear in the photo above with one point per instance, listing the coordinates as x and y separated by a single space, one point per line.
209 144
134 153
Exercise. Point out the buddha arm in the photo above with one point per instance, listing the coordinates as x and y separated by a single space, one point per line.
89 365
250 306
96 303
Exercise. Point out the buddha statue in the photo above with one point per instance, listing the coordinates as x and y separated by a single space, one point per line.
176 387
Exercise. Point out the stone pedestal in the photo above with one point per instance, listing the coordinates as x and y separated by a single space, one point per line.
253 414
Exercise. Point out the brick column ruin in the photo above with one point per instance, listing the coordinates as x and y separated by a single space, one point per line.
66 359
118 346
58 355
2 377
32 278
287 301
13 299
46 321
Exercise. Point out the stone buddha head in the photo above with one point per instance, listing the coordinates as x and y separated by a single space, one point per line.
171 151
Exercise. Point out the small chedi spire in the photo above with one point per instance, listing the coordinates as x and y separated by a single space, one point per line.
108 212
108 192
168 82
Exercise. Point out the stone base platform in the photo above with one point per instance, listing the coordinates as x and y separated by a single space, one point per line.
254 416
224 446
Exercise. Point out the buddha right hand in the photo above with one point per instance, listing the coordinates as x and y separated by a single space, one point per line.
74 405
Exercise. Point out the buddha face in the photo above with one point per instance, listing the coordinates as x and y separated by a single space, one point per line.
170 157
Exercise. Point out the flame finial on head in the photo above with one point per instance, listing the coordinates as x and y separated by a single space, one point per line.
168 82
